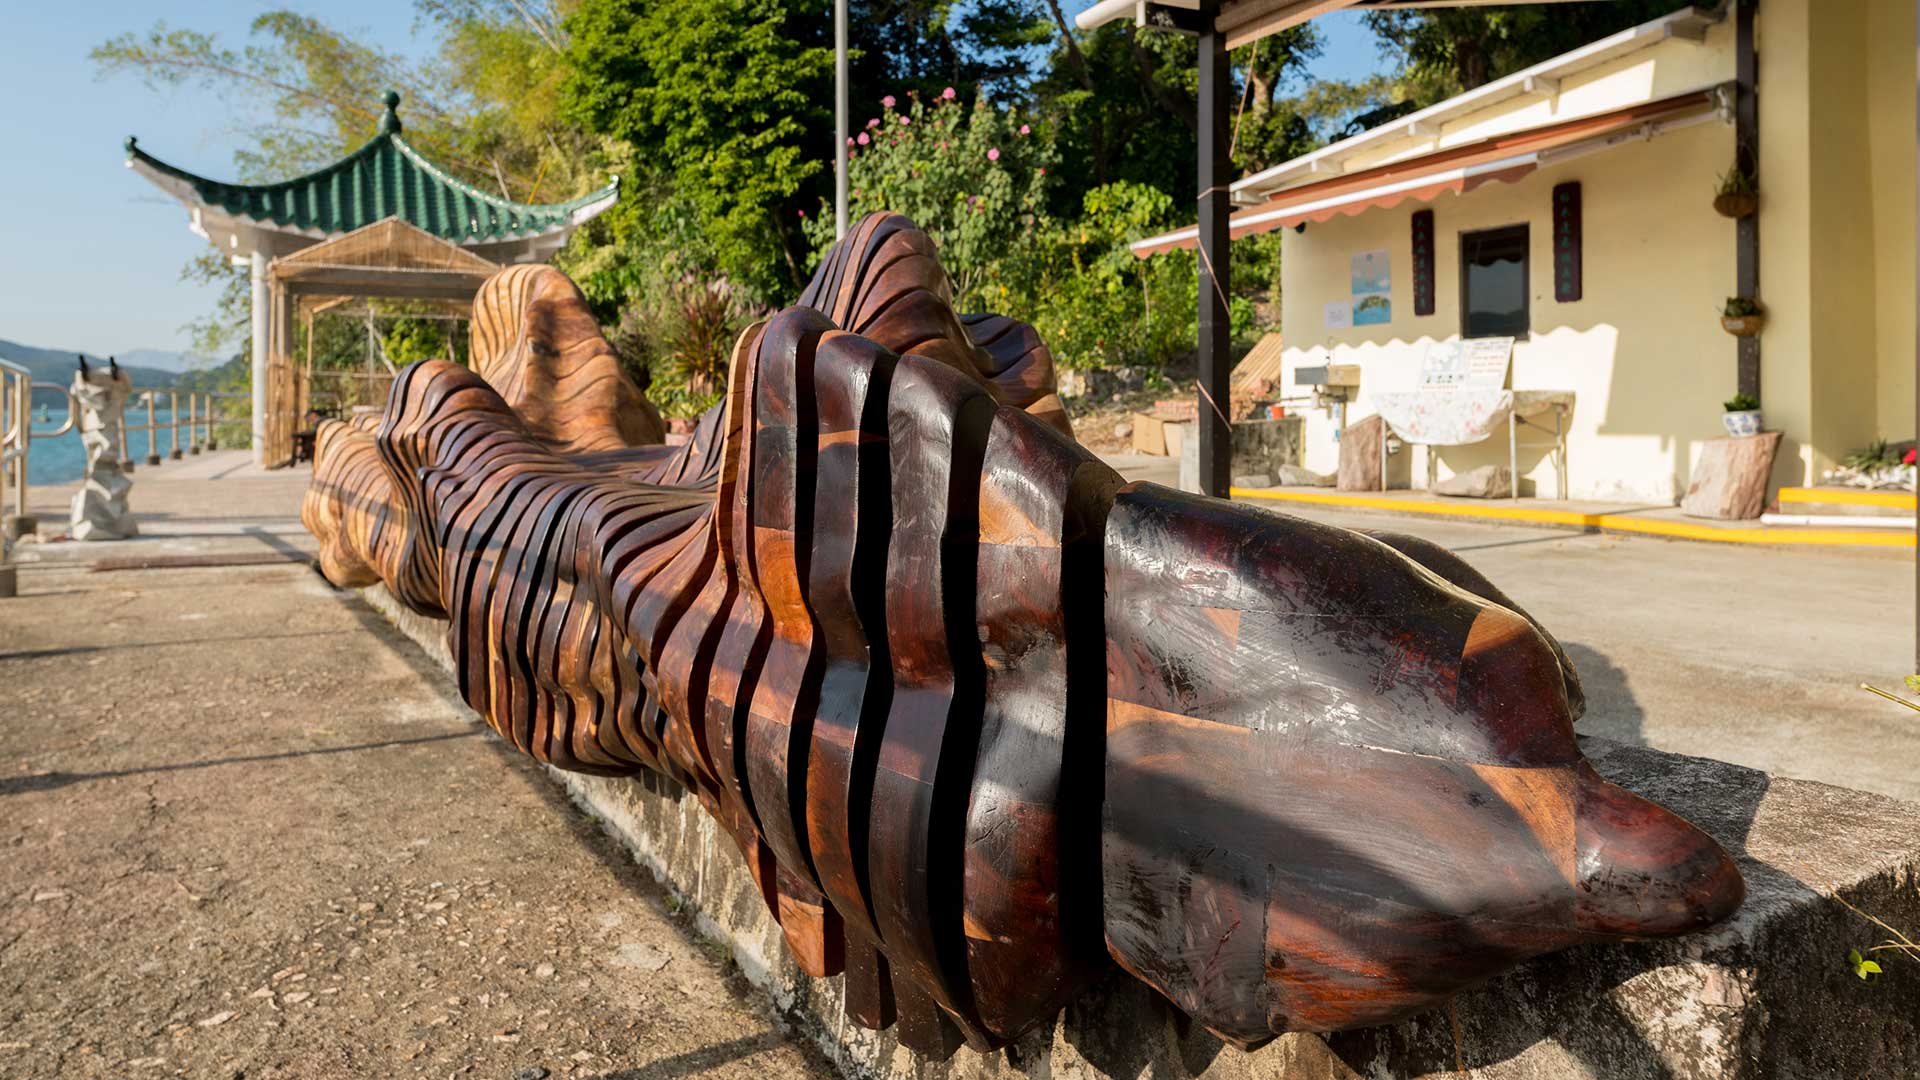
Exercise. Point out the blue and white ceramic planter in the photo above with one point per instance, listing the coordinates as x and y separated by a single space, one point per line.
1743 423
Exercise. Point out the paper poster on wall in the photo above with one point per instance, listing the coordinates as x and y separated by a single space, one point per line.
1339 315
1372 289
1476 364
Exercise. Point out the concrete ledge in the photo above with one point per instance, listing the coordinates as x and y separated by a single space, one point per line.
1768 995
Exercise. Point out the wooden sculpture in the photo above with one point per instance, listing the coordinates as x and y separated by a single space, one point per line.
981 716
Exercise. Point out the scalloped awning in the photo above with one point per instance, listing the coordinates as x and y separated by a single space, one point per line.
1459 169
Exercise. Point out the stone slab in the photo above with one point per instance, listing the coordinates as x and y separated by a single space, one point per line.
1485 482
1768 995
1730 479
1360 455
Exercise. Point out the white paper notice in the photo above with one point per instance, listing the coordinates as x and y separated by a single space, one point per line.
1340 315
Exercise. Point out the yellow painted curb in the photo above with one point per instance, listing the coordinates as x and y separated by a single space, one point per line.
1891 500
1684 530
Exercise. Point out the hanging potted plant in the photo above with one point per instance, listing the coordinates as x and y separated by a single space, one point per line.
1739 196
1742 417
1742 317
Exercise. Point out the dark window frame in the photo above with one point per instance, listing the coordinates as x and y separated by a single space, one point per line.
1526 286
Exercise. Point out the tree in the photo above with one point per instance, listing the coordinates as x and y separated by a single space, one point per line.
1446 51
729 99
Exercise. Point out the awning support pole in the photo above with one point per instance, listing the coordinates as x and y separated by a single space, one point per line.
1916 380
257 268
839 118
1215 316
1746 137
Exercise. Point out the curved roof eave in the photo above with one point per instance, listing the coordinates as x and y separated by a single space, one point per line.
264 205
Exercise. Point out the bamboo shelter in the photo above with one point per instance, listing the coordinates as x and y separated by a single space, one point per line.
387 260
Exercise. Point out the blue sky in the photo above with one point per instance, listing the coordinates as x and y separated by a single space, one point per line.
90 254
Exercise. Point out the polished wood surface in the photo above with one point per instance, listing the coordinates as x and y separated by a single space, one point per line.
982 718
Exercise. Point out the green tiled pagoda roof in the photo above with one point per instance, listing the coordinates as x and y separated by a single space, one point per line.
385 178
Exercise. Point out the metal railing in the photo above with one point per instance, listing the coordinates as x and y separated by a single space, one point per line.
16 436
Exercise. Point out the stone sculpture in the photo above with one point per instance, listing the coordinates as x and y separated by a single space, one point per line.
100 507
984 718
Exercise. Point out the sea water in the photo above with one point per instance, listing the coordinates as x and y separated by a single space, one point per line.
60 459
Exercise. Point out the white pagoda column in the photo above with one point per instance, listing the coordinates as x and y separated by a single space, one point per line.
258 261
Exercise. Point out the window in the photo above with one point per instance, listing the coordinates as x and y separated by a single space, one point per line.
1493 283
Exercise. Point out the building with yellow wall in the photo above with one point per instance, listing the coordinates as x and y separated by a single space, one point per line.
1643 124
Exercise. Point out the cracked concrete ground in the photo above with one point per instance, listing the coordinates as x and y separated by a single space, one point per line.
246 830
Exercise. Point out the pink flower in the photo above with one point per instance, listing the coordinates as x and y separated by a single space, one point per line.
993 154
947 94
1043 170
905 121
887 101
849 142
1025 130
803 213
1912 456
943 146
873 123
863 139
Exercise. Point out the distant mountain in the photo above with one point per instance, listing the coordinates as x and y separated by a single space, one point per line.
57 365
167 361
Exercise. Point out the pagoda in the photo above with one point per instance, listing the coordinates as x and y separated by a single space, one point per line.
385 180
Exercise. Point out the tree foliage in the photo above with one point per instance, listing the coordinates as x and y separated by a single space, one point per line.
1444 51
1033 153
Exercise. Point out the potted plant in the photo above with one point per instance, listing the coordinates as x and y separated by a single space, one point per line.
1738 197
1742 417
1742 317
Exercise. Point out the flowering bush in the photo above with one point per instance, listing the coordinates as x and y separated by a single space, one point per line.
969 177
977 180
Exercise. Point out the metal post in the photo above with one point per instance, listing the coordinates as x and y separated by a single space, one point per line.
173 421
1916 383
1513 458
1216 331
840 133
14 424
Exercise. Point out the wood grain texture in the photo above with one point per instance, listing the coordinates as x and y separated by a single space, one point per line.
982 718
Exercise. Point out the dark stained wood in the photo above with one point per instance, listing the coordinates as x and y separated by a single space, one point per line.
1393 757
981 718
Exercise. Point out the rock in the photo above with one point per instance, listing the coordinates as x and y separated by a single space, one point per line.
543 971
642 956
49 894
296 998
1301 476
1730 481
1122 430
217 1019
1485 482
1253 480
1360 455
532 1072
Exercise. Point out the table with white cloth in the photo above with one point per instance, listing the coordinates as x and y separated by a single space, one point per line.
1458 416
